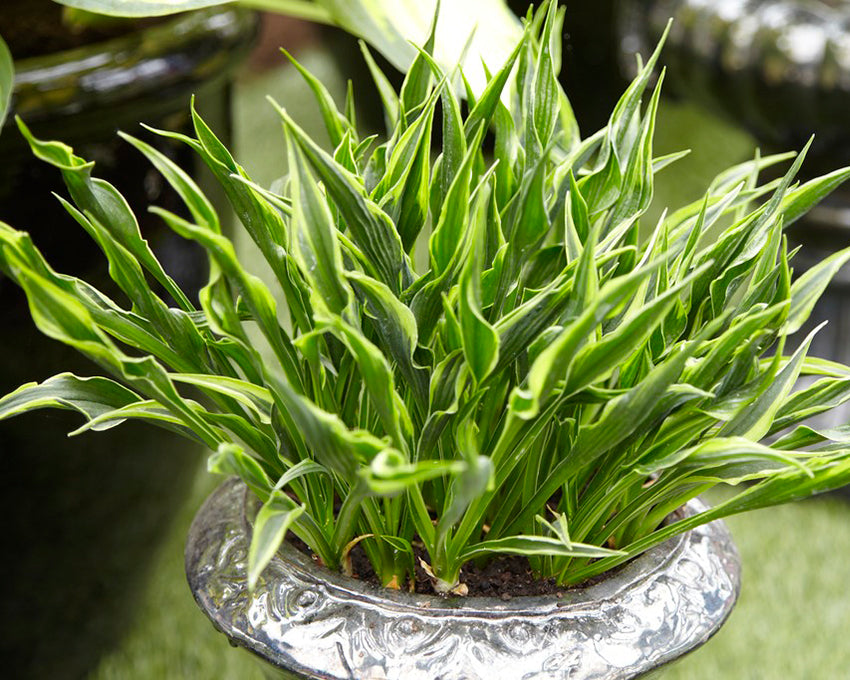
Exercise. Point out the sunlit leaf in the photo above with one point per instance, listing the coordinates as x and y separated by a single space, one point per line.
273 520
7 80
140 8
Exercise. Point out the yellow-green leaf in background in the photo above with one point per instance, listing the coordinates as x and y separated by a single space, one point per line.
7 80
139 8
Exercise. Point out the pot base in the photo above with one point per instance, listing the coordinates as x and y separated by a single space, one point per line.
309 622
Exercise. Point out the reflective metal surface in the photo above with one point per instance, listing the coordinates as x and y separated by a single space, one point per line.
307 622
195 51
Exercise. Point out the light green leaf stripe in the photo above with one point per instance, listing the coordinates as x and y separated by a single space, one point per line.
198 204
390 473
480 339
148 410
106 205
378 377
314 235
754 419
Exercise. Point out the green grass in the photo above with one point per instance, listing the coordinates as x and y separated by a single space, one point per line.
172 638
794 610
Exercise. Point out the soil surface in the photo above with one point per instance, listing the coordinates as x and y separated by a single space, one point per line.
33 28
503 577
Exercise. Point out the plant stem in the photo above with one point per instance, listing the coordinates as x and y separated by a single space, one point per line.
299 9
348 513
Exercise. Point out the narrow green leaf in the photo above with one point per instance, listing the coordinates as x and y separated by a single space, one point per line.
722 452
447 383
397 332
106 205
258 399
535 545
446 239
336 124
90 396
371 229
546 100
273 520
807 289
624 415
469 485
390 473
417 82
799 201
389 98
755 418
199 206
314 236
480 339
333 444
126 327
553 363
595 360
254 292
488 101
629 103
821 396
806 436
403 190
301 469
230 459
377 378
148 410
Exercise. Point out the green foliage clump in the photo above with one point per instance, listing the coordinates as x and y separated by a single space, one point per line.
551 382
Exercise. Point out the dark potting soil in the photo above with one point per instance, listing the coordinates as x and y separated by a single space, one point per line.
33 28
503 577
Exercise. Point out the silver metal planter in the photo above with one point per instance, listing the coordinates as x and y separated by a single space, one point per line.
310 623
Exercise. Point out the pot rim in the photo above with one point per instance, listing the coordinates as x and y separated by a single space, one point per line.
655 608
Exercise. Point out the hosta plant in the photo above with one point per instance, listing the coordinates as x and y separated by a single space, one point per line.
471 347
